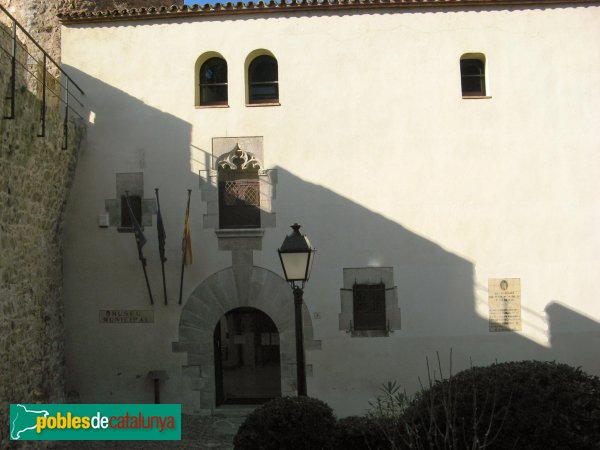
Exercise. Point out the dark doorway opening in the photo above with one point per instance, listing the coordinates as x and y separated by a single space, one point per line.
247 362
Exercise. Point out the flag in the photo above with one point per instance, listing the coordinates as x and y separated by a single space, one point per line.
140 239
186 245
162 236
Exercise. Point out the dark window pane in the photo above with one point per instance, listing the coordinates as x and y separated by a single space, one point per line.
239 200
262 79
472 73
267 91
214 71
213 82
369 307
263 68
213 94
136 206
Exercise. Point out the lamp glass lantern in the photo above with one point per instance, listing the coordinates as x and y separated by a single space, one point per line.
296 255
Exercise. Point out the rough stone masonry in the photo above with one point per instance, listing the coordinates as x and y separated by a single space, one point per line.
35 174
38 17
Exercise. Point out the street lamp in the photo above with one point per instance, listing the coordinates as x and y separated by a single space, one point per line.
297 255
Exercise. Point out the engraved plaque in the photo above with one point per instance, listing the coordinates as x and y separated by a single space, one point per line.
126 316
504 299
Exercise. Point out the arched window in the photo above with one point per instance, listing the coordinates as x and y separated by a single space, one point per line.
472 76
263 80
213 82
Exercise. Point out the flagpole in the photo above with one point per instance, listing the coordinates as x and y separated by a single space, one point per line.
147 282
187 212
161 245
140 240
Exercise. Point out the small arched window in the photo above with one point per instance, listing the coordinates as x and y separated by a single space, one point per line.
472 76
263 84
213 82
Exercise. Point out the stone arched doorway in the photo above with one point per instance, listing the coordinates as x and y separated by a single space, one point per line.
247 358
218 294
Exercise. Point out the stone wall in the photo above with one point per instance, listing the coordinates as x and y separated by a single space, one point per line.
35 174
38 17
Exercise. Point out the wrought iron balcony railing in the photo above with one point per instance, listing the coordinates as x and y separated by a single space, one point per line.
41 75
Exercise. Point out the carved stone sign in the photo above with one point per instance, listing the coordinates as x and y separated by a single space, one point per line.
504 299
126 316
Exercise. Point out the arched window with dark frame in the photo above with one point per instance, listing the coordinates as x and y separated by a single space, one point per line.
213 82
263 86
472 76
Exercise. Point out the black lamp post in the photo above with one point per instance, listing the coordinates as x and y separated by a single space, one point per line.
296 255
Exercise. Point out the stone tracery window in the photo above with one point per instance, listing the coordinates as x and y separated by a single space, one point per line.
239 191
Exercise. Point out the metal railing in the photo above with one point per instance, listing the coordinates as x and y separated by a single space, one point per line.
42 75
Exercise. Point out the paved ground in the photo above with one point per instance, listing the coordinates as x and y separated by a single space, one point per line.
198 432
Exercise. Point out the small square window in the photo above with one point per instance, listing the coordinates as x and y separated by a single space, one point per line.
136 206
369 307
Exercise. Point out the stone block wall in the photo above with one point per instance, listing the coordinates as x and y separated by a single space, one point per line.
35 174
39 16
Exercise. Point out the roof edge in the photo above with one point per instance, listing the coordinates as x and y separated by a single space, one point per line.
270 7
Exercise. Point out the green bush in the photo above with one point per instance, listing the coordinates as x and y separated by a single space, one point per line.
521 405
288 423
359 433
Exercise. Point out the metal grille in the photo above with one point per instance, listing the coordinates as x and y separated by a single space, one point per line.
239 201
241 193
369 306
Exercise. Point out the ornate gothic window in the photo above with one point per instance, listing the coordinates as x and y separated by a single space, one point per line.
239 191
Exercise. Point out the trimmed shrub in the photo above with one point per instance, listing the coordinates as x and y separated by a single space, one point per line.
359 433
288 423
520 405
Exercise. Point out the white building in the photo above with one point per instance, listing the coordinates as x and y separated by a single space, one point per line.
430 150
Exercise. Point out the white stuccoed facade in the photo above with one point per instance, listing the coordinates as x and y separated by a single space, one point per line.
376 153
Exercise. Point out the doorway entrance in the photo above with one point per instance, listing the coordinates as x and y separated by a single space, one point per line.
247 361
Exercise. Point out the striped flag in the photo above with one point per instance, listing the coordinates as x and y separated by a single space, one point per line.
186 245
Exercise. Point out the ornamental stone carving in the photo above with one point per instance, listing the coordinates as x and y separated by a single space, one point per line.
239 159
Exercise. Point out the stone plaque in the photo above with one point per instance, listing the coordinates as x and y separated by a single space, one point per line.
504 299
126 316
